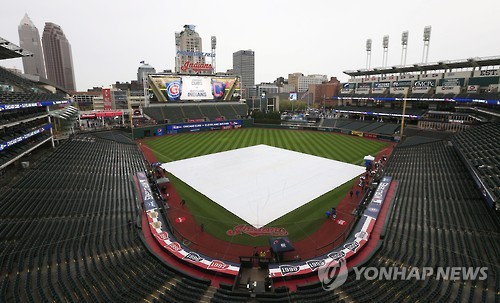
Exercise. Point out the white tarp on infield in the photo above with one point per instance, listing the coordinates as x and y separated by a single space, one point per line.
262 183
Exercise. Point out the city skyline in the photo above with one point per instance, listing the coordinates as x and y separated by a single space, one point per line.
286 36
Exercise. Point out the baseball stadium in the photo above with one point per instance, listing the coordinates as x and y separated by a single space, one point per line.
387 190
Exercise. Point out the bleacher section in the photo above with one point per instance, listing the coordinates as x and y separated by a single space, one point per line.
381 111
65 234
180 113
480 146
362 126
210 112
438 219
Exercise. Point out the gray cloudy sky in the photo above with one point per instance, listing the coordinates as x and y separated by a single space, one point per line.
110 38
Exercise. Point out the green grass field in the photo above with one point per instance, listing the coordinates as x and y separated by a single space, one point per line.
299 223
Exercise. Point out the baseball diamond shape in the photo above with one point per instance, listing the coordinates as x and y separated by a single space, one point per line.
261 183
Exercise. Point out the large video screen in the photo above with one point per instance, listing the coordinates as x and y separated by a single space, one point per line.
180 88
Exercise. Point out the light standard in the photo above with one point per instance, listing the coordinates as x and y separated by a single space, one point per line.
262 99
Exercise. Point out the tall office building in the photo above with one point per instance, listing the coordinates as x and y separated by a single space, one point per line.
143 71
189 57
58 58
29 39
244 67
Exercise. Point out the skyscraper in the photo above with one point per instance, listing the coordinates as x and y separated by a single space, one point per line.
189 57
244 67
58 58
29 39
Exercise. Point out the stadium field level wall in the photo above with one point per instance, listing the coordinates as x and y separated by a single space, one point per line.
162 129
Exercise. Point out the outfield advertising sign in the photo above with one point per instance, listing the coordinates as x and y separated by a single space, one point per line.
211 125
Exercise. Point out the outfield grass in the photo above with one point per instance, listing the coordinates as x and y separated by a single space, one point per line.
299 223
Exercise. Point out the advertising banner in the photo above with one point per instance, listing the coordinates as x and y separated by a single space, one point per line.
373 208
212 125
146 193
399 90
486 73
401 83
425 83
106 98
448 90
452 82
365 85
14 106
381 84
472 88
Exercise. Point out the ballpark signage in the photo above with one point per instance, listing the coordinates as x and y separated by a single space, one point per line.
348 85
147 195
378 198
315 264
195 54
401 84
486 73
196 67
424 83
15 106
365 85
218 265
452 82
211 125
255 232
381 84
106 98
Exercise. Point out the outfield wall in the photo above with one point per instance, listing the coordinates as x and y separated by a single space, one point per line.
179 128
332 129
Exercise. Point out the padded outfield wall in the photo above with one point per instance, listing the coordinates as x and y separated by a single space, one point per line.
179 128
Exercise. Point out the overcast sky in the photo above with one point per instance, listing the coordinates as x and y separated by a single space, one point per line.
110 38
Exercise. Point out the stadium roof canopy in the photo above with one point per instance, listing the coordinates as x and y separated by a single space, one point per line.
9 50
418 67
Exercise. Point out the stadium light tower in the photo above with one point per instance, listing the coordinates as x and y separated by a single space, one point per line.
368 53
427 38
214 42
404 44
385 44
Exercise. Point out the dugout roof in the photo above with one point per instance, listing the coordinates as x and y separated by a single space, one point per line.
418 67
